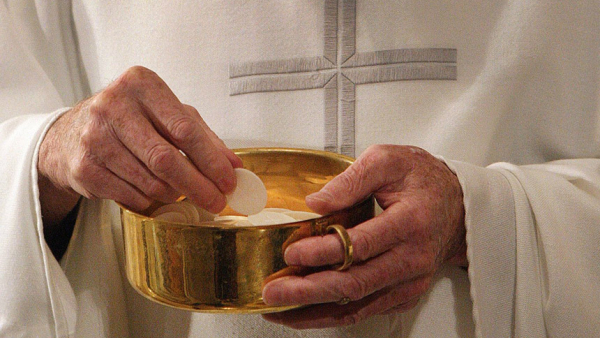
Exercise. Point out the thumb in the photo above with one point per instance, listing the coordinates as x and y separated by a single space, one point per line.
348 188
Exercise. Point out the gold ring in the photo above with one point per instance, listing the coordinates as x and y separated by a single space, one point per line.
343 301
348 250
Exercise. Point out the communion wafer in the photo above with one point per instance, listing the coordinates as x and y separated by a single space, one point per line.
172 216
174 208
186 212
189 213
270 218
199 215
250 194
301 215
282 210
233 220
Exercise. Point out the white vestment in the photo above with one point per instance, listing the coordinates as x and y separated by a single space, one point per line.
507 92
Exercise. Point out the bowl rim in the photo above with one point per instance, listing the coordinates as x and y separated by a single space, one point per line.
251 150
323 153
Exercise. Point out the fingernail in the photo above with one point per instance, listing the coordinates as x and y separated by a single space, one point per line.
273 291
290 256
237 162
312 196
320 196
319 202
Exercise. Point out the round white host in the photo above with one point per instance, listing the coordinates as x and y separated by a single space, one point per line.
250 194
269 218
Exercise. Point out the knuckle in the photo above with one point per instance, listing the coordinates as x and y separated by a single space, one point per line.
87 177
378 153
135 76
191 109
79 173
138 71
107 108
365 244
350 180
98 106
418 151
160 159
156 189
107 98
368 165
386 156
183 130
96 144
352 319
83 169
88 137
216 164
355 288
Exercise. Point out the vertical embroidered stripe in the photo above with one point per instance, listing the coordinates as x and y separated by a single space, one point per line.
330 31
348 29
331 114
348 106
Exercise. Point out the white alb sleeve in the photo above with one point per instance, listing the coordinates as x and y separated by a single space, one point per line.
532 235
36 81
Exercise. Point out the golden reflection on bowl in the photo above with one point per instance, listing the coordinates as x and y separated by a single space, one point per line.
219 267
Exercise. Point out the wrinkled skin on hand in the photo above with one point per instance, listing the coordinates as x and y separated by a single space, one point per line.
396 254
124 144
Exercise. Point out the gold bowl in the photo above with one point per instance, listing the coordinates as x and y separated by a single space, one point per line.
222 268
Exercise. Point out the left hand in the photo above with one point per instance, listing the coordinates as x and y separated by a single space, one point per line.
396 254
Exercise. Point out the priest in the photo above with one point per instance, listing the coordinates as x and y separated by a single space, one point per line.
474 124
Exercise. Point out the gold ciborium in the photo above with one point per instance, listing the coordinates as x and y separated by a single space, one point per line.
219 267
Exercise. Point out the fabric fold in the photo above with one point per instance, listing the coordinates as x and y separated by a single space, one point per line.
489 217
45 306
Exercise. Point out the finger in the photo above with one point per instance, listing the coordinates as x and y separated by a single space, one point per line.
164 160
361 179
235 161
392 227
180 126
126 166
332 315
97 182
400 308
191 134
105 149
391 268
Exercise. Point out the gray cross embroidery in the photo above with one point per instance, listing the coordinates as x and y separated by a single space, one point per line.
339 70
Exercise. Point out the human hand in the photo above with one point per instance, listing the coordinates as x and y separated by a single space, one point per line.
124 144
396 254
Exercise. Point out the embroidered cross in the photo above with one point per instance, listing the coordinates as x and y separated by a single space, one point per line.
339 70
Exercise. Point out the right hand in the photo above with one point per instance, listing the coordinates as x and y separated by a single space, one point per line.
124 144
